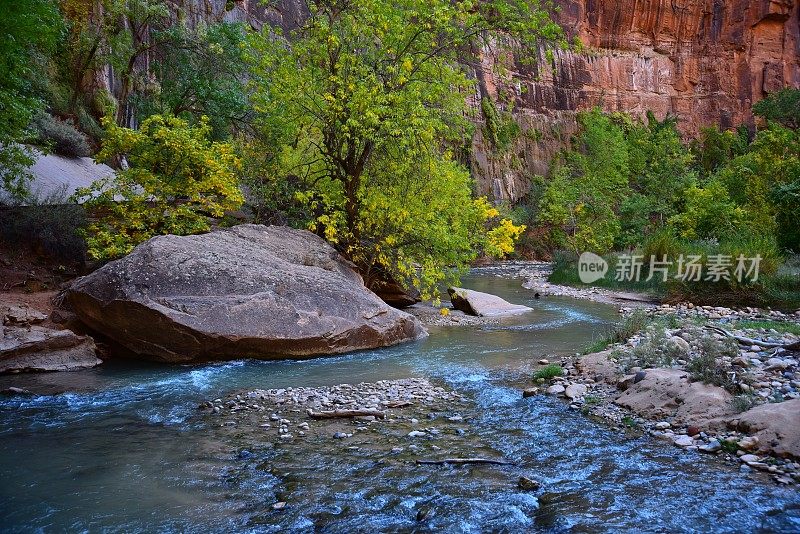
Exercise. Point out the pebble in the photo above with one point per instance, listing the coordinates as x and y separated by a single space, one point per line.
417 434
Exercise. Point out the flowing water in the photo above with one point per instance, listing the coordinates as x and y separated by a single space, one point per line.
126 451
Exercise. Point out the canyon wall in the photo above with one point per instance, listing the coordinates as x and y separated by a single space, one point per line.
704 61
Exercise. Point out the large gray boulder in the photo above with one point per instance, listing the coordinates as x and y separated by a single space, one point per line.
249 291
36 348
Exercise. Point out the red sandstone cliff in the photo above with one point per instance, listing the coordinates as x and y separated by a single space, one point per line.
705 61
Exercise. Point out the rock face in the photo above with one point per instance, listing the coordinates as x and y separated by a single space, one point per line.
250 291
705 61
483 304
667 393
43 349
777 426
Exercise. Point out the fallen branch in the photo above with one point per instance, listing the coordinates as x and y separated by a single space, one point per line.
333 414
750 341
462 461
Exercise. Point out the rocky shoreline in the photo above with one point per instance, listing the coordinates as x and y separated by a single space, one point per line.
684 379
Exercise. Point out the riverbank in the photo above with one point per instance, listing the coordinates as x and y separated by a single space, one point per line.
714 380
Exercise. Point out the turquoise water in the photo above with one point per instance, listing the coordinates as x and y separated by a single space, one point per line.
126 451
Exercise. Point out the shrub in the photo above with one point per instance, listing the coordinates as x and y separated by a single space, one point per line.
742 403
548 371
177 181
707 366
49 226
62 137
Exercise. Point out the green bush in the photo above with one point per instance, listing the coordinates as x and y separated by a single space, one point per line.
548 371
707 366
49 226
62 137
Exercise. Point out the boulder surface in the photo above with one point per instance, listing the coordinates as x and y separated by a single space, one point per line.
777 426
249 291
668 394
36 348
483 304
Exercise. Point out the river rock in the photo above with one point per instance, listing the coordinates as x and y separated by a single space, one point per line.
556 389
528 484
483 304
575 391
668 394
22 316
776 425
36 348
248 291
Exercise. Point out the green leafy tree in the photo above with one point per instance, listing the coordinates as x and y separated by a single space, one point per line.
714 148
199 72
709 213
29 30
176 181
363 101
581 200
782 107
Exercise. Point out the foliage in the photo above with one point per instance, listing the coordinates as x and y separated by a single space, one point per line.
714 148
177 179
581 198
782 107
29 30
51 226
200 72
61 136
501 128
709 213
549 371
707 366
363 104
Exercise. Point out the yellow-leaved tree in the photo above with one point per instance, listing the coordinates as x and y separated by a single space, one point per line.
176 182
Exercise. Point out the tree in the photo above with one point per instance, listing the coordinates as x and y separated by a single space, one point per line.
581 200
176 181
199 72
782 107
365 100
29 30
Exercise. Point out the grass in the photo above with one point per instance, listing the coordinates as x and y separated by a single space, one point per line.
622 331
742 403
706 366
548 371
629 422
779 326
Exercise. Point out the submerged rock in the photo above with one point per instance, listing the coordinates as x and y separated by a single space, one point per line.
249 291
483 304
36 348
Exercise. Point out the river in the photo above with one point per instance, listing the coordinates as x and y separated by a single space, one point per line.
124 449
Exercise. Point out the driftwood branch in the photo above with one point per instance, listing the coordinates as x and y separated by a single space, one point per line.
333 414
750 341
462 461
399 404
